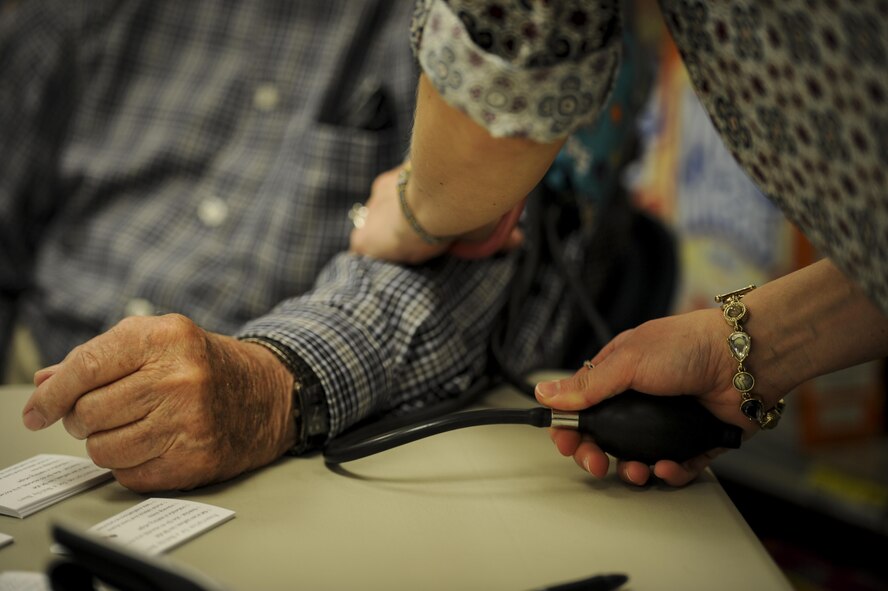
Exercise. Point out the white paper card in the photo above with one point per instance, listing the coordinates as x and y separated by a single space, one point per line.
16 580
45 479
5 539
157 525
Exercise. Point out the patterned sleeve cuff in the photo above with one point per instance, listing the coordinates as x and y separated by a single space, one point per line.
553 77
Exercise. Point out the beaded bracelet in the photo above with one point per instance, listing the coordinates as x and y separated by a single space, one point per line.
739 343
403 177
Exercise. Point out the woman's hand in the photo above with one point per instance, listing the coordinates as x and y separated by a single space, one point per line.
678 355
384 232
809 323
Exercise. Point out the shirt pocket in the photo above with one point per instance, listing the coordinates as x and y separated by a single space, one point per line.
342 161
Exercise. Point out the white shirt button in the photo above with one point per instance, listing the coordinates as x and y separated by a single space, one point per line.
139 307
266 97
212 211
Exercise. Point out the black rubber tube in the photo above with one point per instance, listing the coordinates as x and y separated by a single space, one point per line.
346 449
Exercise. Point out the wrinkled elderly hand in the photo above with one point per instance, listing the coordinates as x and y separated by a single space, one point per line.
678 355
166 405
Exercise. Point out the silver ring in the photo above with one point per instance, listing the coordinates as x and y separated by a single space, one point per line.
588 364
358 215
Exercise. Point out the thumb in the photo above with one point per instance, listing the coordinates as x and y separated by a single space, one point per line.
583 389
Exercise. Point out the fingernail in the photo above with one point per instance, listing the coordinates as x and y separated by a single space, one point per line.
586 464
548 389
33 420
628 476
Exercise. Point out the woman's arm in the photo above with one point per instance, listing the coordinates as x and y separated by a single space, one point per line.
462 181
500 91
463 178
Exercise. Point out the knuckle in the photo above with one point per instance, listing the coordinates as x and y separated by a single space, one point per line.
179 323
125 480
582 382
128 324
172 327
87 364
159 475
172 335
74 426
98 453
135 480
189 333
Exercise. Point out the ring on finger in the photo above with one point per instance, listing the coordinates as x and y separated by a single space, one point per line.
358 215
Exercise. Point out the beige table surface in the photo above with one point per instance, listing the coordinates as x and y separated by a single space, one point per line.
483 508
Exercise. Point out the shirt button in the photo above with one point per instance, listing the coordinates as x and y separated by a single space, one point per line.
266 97
139 307
212 211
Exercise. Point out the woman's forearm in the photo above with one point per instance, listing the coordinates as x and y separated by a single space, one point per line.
809 323
463 178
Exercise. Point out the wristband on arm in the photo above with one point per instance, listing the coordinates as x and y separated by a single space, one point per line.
309 402
464 249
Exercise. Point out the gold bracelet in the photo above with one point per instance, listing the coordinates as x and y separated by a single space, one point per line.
739 343
403 177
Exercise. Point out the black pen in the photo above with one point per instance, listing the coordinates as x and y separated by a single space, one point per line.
596 583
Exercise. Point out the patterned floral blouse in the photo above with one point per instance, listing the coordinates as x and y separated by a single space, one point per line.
798 90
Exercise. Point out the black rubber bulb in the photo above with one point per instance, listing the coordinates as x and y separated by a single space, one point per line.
647 428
